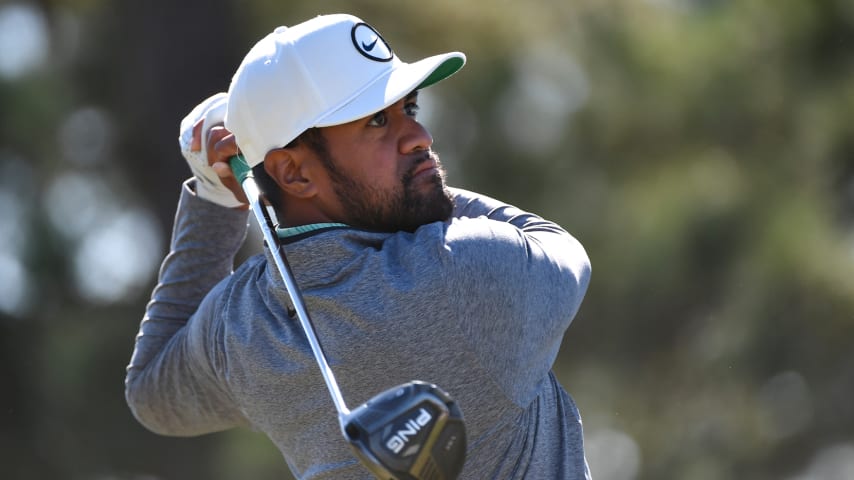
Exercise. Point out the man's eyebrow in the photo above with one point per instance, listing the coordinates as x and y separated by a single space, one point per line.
412 94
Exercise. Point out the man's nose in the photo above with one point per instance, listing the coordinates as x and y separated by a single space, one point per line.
415 137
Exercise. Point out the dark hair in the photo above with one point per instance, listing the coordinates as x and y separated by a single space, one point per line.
312 138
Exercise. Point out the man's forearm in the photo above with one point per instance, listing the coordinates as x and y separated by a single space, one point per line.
204 242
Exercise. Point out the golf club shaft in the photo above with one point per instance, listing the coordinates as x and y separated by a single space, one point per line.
416 413
253 194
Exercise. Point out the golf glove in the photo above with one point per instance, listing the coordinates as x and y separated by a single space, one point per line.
208 184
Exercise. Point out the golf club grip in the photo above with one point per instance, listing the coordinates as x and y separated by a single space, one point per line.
240 168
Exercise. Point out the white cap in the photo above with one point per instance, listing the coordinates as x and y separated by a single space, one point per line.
329 70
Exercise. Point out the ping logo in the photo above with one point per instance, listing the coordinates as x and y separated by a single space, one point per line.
370 43
410 428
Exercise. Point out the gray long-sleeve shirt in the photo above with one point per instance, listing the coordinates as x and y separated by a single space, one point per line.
477 305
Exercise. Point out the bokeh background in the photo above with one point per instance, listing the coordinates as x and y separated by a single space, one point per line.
702 150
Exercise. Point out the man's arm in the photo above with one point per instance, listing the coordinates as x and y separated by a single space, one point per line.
173 382
173 386
469 204
522 279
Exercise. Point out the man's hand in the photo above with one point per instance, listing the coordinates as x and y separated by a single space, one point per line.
207 146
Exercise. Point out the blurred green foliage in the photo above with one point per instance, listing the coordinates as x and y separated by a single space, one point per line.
702 150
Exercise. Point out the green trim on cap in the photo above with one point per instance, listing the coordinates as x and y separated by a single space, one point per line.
445 70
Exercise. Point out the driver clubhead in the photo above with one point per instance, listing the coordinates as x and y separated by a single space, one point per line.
412 431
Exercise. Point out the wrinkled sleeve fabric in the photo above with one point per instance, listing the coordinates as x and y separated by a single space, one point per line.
526 277
175 383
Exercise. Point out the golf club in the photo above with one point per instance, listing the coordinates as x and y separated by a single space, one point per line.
411 431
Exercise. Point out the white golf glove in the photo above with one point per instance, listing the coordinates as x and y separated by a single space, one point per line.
208 184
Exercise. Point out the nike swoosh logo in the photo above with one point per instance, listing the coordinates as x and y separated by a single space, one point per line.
370 46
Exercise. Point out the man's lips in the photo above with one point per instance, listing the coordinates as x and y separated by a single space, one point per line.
425 166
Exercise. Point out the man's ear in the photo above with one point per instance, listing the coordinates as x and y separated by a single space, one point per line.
287 166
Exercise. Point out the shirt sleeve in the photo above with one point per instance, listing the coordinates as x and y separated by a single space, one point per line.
522 279
173 384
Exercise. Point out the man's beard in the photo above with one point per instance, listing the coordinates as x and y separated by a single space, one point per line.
404 209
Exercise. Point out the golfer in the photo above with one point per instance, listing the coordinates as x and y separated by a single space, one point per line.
405 278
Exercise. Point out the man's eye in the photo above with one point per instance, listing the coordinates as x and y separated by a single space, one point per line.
411 109
378 120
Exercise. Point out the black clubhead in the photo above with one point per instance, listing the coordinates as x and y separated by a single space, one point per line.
412 431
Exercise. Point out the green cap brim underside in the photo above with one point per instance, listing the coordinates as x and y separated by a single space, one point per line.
445 70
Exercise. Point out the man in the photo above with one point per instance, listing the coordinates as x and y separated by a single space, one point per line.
405 278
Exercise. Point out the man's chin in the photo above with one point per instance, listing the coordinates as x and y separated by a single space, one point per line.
435 206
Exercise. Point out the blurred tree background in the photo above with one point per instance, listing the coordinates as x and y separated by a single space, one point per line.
702 150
